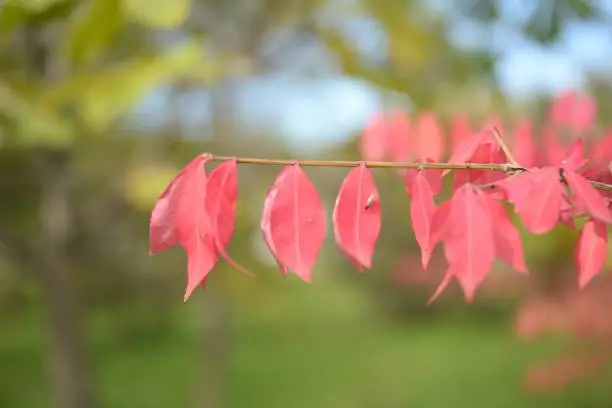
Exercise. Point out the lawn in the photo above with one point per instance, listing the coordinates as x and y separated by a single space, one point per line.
304 348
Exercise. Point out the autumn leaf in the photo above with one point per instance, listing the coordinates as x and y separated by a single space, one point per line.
554 148
591 251
459 130
541 206
179 217
601 150
265 218
573 110
574 157
356 216
481 147
429 136
524 148
399 137
422 208
587 197
433 177
296 222
374 139
220 205
468 242
508 246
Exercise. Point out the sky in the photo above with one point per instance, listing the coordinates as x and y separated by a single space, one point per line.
317 113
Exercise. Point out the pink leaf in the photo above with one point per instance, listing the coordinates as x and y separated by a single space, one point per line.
422 209
588 197
540 209
356 216
179 217
524 148
297 222
469 241
220 205
591 251
429 137
508 244
574 157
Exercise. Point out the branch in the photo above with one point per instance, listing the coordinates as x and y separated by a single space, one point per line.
504 147
505 168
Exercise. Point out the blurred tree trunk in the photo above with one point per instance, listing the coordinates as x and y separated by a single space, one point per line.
216 338
68 368
216 331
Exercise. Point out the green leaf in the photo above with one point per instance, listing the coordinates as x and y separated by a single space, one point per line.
31 123
34 6
92 28
102 97
157 13
10 17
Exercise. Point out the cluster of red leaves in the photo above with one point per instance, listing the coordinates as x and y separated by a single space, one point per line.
473 224
197 210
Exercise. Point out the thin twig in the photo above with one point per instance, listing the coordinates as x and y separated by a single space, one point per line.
505 168
505 148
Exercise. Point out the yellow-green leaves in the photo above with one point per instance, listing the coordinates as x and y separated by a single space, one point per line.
143 183
34 6
29 123
157 13
92 28
101 97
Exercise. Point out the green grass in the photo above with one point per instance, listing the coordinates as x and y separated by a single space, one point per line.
298 349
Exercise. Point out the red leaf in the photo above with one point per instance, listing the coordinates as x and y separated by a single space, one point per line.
601 174
566 214
439 224
588 197
540 207
524 148
516 187
584 115
163 233
574 157
574 110
375 138
460 130
179 217
560 108
429 136
479 148
400 136
507 239
296 222
433 176
591 251
356 216
468 241
265 218
468 148
220 205
422 209
601 151
553 147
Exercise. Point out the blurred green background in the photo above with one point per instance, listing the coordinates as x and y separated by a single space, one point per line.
103 101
